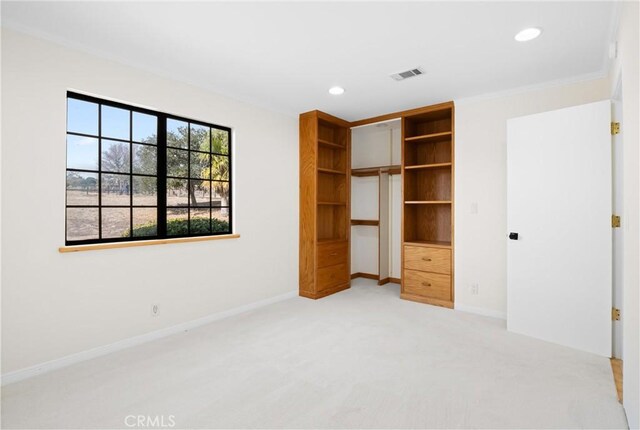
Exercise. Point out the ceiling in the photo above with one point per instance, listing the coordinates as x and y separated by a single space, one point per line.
285 56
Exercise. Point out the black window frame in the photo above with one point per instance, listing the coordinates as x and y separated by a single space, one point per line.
161 172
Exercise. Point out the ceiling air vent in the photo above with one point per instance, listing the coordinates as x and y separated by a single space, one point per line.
408 74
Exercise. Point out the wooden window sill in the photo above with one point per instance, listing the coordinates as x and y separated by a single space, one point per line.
97 246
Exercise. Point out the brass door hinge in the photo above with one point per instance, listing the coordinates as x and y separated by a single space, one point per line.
615 128
615 221
615 314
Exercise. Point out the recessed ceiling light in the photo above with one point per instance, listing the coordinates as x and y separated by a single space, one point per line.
336 91
528 34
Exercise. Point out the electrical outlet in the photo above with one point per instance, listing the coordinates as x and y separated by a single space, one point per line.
474 208
473 289
155 310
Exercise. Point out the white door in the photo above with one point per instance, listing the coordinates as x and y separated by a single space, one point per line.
559 204
617 233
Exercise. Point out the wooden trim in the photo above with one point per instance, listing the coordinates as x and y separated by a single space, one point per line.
427 300
97 246
401 114
365 222
616 367
388 280
324 293
402 206
348 210
330 118
453 200
364 275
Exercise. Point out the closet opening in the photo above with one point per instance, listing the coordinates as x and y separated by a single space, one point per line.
376 202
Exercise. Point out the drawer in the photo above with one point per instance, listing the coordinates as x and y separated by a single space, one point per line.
333 276
330 254
432 285
436 260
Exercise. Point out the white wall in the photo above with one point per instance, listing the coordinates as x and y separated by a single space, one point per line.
57 304
370 146
364 239
364 197
625 67
481 238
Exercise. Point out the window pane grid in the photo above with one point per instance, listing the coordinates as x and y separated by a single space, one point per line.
139 207
190 150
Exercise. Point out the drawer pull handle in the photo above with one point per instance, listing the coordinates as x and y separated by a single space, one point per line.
333 254
426 284
426 259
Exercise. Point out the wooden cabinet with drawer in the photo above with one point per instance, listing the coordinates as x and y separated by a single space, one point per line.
427 275
332 253
428 180
333 277
435 260
325 206
425 284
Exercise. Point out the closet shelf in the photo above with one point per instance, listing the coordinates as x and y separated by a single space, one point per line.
332 203
428 166
375 171
329 144
429 243
434 137
332 240
331 171
373 222
427 202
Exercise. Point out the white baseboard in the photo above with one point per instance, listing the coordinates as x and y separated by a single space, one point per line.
481 311
59 363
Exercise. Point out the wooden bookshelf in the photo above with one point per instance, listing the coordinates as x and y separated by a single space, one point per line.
324 204
428 168
428 172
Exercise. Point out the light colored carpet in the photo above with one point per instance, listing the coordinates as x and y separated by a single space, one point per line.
362 358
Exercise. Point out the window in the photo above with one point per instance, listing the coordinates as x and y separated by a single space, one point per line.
137 174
